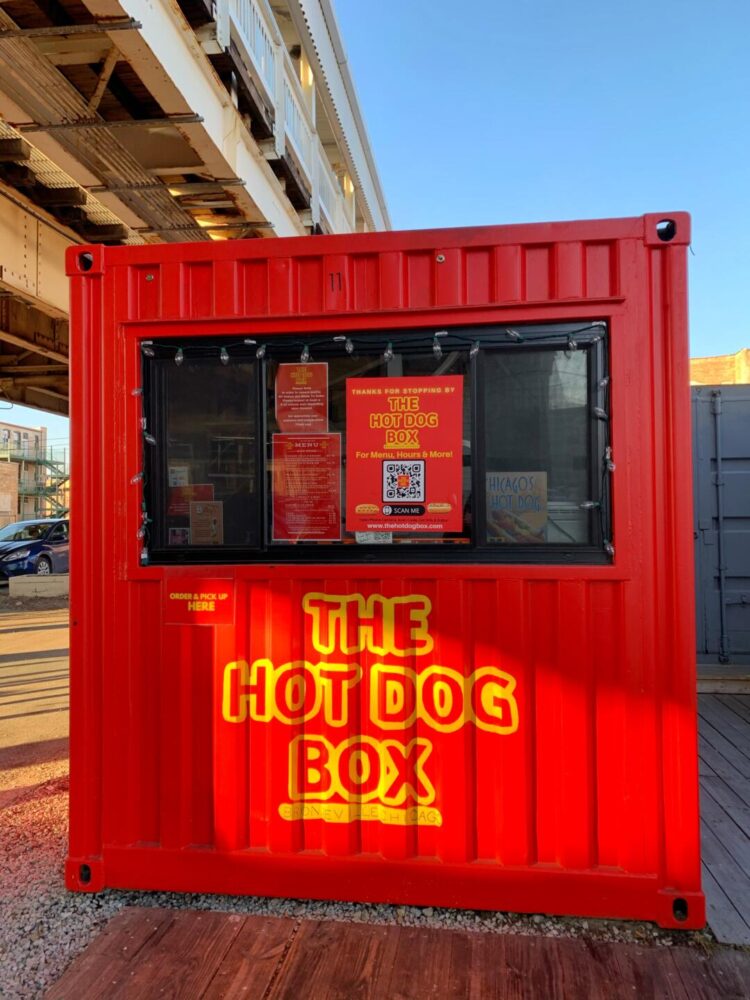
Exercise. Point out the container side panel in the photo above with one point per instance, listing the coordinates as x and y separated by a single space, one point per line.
199 283
477 276
528 742
226 290
599 270
508 274
253 283
420 280
86 304
310 284
366 282
536 273
569 261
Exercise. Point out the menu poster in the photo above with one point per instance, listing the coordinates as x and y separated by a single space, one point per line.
207 523
404 454
517 507
302 398
180 498
306 488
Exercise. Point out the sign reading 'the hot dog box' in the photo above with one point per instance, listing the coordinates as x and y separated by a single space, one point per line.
403 454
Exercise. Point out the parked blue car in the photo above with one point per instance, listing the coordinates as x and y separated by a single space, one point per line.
33 547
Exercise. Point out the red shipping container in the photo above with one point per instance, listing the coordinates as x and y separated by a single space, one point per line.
502 717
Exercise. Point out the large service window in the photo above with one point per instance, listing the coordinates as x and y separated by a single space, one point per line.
473 444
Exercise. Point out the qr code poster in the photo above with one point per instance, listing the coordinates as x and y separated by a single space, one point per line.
404 454
403 482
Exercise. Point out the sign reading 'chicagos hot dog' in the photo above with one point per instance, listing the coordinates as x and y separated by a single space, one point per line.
403 454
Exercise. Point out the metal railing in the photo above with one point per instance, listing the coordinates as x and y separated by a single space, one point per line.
255 34
296 128
43 477
252 25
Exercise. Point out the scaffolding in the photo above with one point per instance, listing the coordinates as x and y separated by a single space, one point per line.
43 479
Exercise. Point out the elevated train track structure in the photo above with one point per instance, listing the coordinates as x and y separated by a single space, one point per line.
157 121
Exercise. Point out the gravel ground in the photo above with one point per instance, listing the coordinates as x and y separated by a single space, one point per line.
43 927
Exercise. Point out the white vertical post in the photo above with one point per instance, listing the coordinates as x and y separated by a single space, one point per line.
280 123
315 167
222 23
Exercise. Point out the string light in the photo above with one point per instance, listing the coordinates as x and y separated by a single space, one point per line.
137 478
138 391
437 350
572 344
609 549
144 556
604 382
513 334
600 414
474 349
608 462
149 438
260 351
305 355
179 356
249 342
346 341
589 505
224 356
388 352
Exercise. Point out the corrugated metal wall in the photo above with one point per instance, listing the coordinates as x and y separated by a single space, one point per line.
721 457
589 804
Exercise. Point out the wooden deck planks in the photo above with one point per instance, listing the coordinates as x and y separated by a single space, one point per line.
253 960
724 747
146 953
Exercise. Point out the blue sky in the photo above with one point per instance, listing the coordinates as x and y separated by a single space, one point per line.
495 111
501 111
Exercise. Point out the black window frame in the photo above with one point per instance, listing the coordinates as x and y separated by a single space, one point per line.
589 336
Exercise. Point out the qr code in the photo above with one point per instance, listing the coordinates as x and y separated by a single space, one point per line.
403 481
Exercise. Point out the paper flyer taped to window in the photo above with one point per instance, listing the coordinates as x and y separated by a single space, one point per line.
517 507
207 523
179 475
180 498
306 488
302 398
